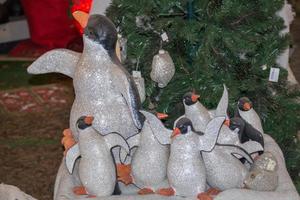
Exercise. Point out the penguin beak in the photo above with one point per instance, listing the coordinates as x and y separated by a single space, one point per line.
81 17
246 106
161 115
176 132
195 97
88 120
227 122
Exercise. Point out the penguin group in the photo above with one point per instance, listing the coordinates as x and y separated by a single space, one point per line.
206 149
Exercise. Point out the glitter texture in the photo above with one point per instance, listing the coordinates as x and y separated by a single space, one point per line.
163 68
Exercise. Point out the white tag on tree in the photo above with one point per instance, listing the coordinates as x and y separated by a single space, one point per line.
137 74
274 74
164 37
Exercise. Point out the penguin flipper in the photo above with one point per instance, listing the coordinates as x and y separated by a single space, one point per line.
223 103
115 139
253 134
132 141
62 61
210 137
161 133
252 147
237 152
72 154
129 91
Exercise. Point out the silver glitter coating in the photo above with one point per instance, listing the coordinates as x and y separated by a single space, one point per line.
163 68
223 104
96 170
186 170
263 173
224 171
59 60
149 162
198 114
252 118
140 84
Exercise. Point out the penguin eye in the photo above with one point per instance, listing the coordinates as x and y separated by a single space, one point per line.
183 129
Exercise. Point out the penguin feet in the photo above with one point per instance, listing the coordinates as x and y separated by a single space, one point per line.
67 140
124 174
145 191
80 190
204 196
166 192
213 192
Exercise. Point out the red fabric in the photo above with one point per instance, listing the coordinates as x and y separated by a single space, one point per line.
49 23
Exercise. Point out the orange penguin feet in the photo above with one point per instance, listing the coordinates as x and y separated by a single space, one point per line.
166 192
204 196
80 190
213 192
67 140
145 191
124 173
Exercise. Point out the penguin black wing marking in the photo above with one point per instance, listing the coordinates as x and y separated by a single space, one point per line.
62 61
127 88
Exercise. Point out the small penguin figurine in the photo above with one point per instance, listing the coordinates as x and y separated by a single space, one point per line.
195 111
245 111
263 174
103 88
186 170
97 170
149 161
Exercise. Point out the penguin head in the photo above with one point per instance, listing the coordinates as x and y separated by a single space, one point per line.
190 98
244 104
102 31
183 127
84 122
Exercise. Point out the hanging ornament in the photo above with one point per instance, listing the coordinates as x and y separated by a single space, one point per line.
140 84
163 68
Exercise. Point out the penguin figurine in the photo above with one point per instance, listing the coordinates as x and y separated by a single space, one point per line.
186 170
246 112
195 111
103 88
96 169
263 174
149 161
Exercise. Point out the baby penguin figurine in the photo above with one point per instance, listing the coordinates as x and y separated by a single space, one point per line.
149 161
186 169
97 170
263 174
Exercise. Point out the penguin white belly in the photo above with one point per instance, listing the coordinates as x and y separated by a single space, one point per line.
186 174
97 96
96 168
199 116
149 163
223 171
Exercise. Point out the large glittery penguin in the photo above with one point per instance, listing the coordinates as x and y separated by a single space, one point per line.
149 161
96 170
186 169
103 88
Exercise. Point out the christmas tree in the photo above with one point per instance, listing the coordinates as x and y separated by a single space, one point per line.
215 42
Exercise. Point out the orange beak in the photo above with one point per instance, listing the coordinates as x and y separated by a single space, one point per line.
176 132
81 17
227 122
161 115
195 97
88 120
247 106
